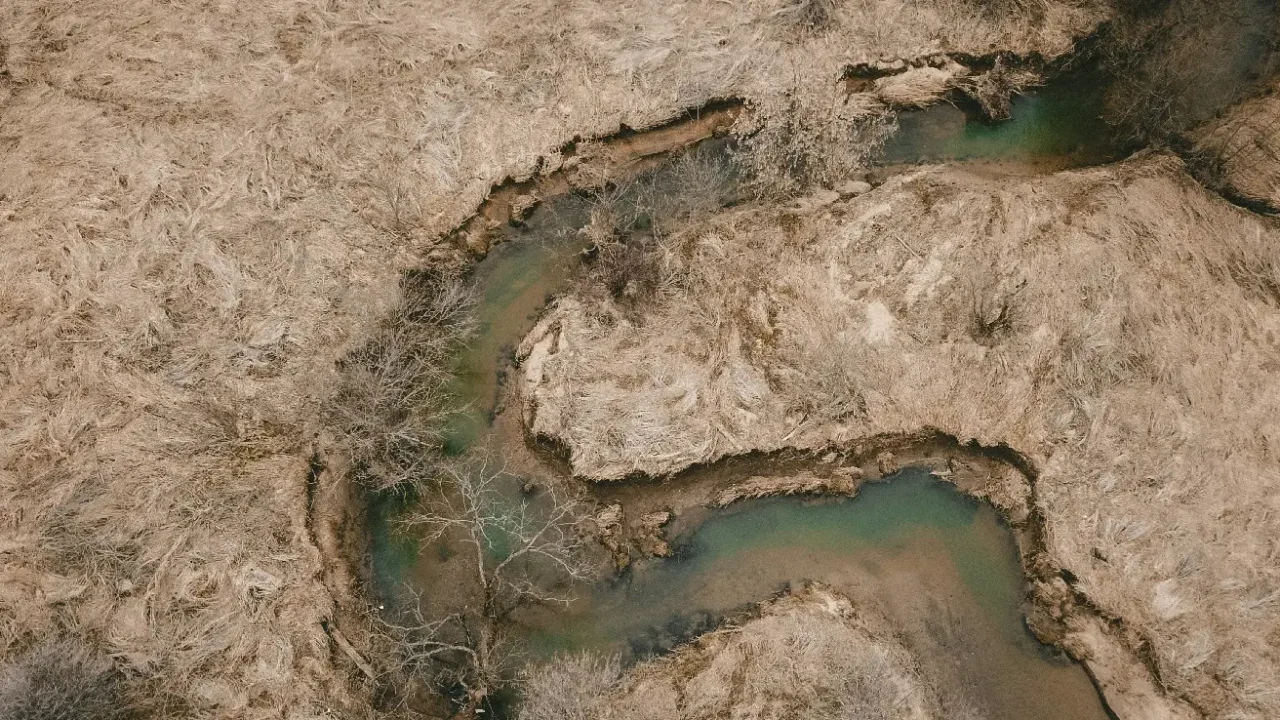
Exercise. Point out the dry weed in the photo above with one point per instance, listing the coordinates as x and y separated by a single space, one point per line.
806 655
61 680
1239 153
1175 64
575 687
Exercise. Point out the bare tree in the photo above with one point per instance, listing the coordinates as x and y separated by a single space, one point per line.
393 404
523 552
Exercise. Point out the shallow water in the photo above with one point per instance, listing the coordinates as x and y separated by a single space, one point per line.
1058 125
938 564
514 281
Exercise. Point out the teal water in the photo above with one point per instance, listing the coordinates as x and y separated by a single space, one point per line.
886 518
1059 125
514 282
940 565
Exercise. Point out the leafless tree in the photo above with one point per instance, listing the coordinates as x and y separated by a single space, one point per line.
524 552
393 404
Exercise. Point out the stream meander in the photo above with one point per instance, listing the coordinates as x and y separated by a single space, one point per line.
942 567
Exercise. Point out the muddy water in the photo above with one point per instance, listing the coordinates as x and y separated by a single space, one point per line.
938 564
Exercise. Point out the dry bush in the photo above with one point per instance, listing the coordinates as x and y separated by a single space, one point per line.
1174 63
630 223
811 135
1239 154
993 311
809 655
61 680
808 16
393 404
994 89
573 687
630 273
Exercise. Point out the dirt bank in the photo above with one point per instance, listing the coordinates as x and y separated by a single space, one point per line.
805 653
1114 325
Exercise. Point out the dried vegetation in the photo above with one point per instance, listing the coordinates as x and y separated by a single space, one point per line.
62 680
1119 326
393 405
206 206
809 655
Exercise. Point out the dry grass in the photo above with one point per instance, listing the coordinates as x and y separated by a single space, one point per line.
1119 326
205 206
61 681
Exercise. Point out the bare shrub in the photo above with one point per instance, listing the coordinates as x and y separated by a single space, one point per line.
572 687
393 402
1175 63
61 680
994 89
526 552
629 223
807 16
628 272
991 314
811 135
808 655
693 184
1240 155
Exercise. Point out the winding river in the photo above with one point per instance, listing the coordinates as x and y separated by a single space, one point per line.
941 566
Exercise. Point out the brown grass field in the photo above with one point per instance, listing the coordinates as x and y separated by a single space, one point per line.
205 205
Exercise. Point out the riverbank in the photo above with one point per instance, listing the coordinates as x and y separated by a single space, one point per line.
810 651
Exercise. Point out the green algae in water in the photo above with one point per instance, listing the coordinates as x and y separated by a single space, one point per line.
514 282
886 519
